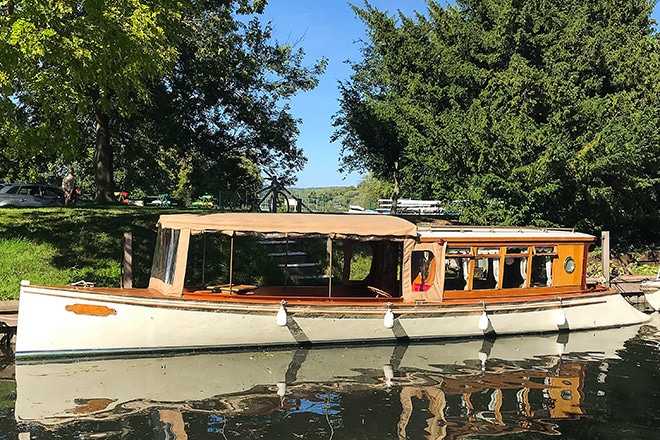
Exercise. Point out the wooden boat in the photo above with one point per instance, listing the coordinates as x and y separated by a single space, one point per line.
381 279
499 383
651 290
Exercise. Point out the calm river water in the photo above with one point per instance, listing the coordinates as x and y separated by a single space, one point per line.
583 385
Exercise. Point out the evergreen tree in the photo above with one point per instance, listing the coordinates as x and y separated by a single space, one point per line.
527 112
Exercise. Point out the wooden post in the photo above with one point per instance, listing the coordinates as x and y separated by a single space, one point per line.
605 257
127 275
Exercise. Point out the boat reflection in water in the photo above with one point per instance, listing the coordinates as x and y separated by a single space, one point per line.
442 390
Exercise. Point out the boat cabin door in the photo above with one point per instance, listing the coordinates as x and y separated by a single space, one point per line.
427 276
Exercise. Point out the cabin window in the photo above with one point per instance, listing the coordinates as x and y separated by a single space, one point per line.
167 244
541 270
486 268
423 270
488 251
569 265
514 271
457 268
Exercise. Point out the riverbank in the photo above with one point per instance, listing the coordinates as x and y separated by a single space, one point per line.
58 246
8 307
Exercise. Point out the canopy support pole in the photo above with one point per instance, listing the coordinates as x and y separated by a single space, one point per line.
127 260
329 270
231 263
286 258
204 260
605 256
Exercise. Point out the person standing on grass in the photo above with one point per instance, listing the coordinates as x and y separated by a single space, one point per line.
69 188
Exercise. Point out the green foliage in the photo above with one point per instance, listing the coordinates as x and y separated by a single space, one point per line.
59 246
645 269
251 263
339 199
523 112
176 97
328 199
62 60
7 394
21 259
361 262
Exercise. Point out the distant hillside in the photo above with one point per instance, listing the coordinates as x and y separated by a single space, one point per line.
335 199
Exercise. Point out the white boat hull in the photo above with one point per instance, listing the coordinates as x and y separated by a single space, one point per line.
55 393
651 291
79 322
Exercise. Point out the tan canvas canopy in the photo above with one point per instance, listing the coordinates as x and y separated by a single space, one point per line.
356 226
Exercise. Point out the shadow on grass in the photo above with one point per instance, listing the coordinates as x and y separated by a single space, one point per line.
89 239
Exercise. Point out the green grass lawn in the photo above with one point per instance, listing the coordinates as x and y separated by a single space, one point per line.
63 245
7 394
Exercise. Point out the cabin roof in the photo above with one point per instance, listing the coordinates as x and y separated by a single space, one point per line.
367 227
475 233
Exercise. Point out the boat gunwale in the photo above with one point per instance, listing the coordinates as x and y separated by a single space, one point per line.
325 305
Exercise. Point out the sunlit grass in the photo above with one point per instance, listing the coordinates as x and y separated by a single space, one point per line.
7 394
62 245
21 259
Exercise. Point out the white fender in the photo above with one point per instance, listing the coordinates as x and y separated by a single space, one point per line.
281 315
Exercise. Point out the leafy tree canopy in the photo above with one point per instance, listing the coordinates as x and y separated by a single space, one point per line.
168 96
524 112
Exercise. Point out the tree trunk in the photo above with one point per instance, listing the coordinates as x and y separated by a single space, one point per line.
395 190
103 172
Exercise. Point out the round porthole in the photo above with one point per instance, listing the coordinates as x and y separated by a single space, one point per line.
569 265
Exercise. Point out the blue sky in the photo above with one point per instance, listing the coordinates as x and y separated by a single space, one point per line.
329 29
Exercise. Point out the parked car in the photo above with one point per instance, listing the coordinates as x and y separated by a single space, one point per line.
23 195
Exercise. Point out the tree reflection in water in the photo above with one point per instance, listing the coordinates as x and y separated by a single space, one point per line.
434 391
